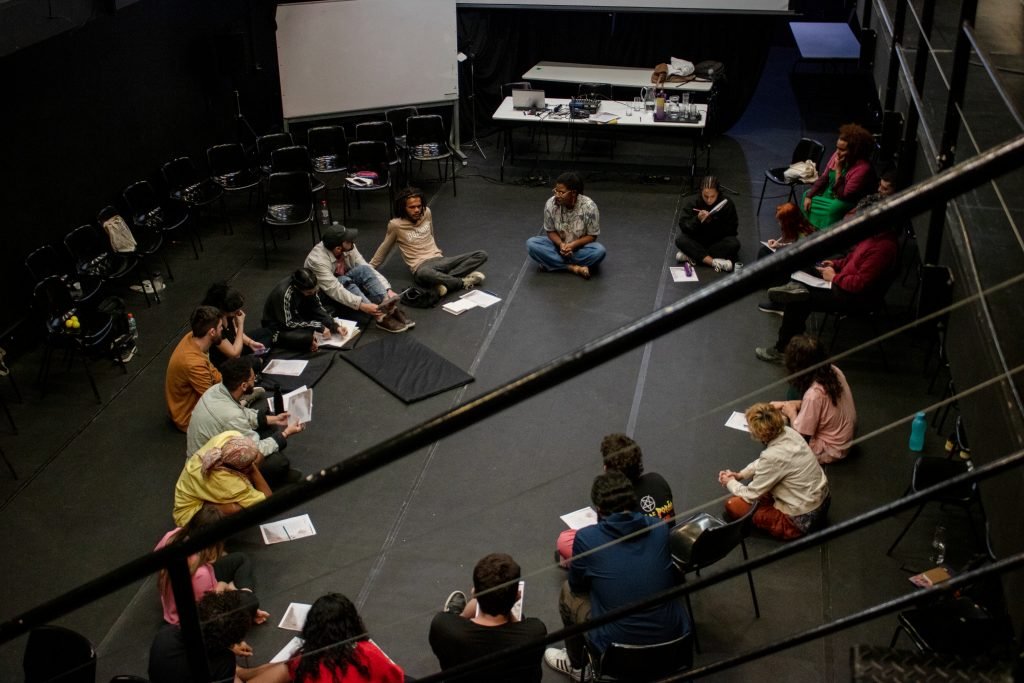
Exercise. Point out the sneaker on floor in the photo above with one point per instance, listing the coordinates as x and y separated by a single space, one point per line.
769 354
771 307
401 317
558 659
721 265
455 603
440 289
788 293
473 279
389 324
389 304
683 258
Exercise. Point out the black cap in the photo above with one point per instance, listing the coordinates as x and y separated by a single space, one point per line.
336 234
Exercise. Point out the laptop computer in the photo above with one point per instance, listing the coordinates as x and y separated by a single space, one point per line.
528 99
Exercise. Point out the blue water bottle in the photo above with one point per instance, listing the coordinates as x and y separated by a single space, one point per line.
917 428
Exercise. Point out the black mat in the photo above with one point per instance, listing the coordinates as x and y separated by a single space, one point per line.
319 364
406 368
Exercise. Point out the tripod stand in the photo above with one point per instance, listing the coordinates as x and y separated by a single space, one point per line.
240 122
474 142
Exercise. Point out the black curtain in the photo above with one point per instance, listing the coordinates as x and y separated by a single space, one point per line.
505 43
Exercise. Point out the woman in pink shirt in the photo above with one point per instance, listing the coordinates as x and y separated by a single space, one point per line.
825 415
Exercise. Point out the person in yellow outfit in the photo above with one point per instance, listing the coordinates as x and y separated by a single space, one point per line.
223 473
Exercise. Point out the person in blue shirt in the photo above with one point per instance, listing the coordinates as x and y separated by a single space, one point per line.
613 566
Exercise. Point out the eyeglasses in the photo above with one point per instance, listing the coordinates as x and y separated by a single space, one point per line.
560 192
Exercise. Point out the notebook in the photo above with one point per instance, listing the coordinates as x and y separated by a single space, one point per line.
527 99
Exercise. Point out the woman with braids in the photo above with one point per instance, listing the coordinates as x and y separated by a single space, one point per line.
825 415
786 479
212 569
847 178
335 649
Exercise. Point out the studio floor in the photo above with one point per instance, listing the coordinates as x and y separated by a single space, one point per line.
96 480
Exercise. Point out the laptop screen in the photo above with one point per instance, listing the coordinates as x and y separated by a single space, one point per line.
527 99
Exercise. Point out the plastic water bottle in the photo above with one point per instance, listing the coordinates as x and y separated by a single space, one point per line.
917 429
133 328
939 546
325 213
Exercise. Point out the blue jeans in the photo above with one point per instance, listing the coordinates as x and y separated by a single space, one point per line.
362 281
543 251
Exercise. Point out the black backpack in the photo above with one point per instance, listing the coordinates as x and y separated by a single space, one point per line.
420 298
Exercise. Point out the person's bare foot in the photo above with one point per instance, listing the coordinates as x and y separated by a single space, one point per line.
260 617
582 271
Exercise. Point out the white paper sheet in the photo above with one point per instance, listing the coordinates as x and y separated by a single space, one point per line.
679 274
295 616
287 651
737 421
459 306
287 529
580 518
810 280
335 342
481 298
299 405
292 368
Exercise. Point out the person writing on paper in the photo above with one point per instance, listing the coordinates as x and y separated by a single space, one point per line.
572 224
847 178
708 229
224 473
786 478
465 631
335 649
349 282
294 313
825 414
220 410
412 229
856 282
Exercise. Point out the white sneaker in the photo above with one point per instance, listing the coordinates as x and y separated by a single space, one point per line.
473 279
440 289
721 265
683 258
558 659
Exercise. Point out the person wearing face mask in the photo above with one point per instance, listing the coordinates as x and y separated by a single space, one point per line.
707 229
572 224
848 177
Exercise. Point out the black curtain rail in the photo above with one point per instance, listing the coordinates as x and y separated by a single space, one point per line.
954 181
861 521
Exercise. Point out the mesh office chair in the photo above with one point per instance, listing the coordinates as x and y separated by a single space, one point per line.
705 539
428 141
806 149
289 202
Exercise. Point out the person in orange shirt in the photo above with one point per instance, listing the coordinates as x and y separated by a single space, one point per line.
189 371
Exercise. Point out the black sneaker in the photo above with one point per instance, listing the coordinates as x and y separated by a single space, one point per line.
771 307
455 603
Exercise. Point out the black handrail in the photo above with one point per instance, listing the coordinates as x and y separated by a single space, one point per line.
965 176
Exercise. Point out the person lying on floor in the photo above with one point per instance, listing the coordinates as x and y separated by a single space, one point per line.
708 229
224 473
825 414
350 283
412 229
294 314
572 224
786 478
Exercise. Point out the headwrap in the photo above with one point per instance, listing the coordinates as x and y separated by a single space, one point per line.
237 454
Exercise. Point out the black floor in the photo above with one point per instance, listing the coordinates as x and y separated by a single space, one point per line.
96 480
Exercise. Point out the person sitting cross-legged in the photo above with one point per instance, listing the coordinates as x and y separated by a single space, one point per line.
223 473
622 559
572 224
189 371
465 631
293 313
708 229
412 229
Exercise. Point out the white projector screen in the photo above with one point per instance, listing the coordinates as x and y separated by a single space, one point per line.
747 6
345 56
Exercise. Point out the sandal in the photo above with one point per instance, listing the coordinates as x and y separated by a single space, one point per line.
582 271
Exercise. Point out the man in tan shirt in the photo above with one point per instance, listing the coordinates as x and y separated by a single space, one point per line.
413 229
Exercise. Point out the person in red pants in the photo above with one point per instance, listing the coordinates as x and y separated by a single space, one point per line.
786 478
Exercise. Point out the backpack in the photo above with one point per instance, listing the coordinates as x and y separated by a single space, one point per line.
709 70
123 347
420 298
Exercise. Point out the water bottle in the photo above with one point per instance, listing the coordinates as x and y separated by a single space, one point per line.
133 329
325 213
659 106
917 429
939 546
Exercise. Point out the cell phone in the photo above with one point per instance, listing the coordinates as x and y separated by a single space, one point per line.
260 352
